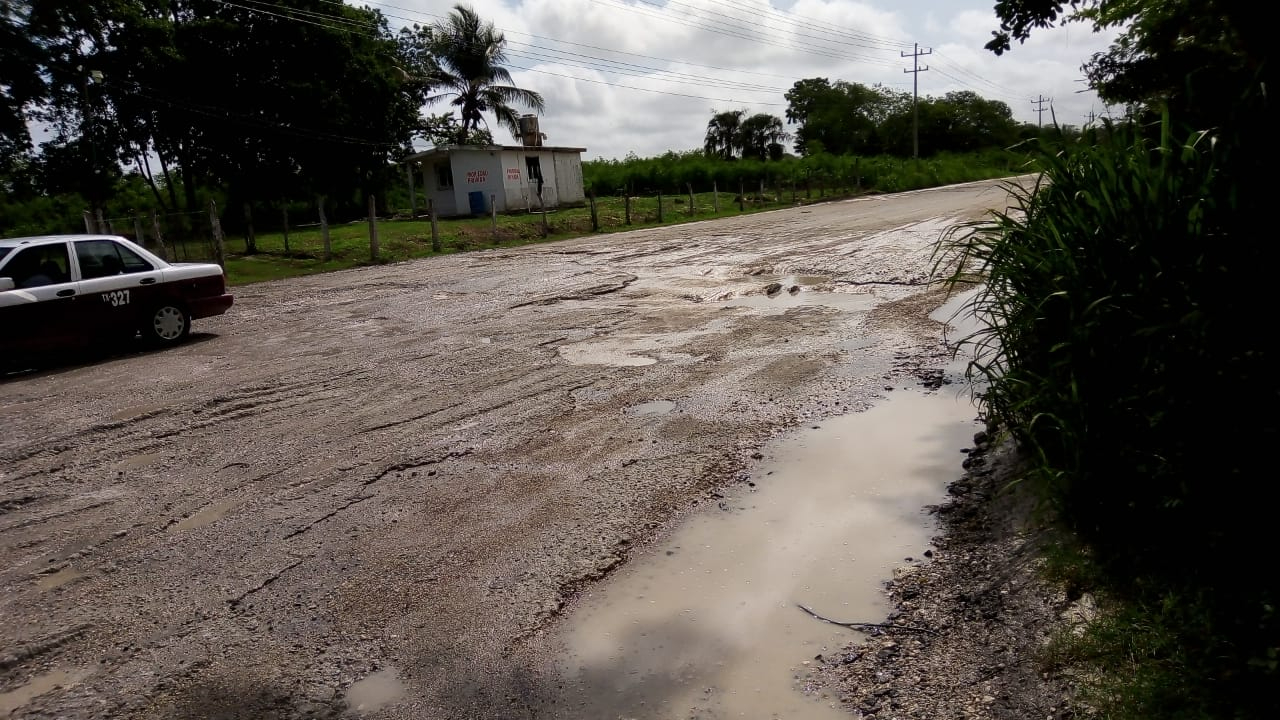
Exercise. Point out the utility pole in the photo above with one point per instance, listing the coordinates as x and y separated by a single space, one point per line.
915 94
1039 103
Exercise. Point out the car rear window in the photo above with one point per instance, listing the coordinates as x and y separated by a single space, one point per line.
103 258
3 252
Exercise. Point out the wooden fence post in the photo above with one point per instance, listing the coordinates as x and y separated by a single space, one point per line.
595 219
742 193
219 249
715 198
250 240
692 210
435 228
89 227
101 226
760 195
413 193
793 191
284 223
137 229
542 207
155 232
373 229
626 207
324 229
493 216
659 206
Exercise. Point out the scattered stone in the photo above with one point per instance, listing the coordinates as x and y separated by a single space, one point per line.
772 289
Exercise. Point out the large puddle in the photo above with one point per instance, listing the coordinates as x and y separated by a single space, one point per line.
707 625
14 699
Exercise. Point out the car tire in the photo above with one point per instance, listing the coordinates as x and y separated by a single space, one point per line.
166 324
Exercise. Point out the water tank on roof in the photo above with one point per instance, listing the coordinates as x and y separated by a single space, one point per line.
529 134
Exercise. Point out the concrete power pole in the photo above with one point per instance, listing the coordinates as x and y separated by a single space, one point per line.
1039 103
915 94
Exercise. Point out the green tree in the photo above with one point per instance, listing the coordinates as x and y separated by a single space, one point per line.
843 116
761 136
469 54
724 133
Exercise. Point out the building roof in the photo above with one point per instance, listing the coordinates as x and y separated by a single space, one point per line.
446 149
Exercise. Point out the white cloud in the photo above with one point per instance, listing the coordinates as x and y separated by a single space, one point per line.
760 49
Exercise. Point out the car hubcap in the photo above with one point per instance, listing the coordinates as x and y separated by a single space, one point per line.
169 323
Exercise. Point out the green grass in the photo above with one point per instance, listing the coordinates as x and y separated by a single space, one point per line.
401 240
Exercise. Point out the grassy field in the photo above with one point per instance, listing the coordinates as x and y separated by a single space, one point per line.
401 240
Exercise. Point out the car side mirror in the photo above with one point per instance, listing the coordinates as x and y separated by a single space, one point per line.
6 284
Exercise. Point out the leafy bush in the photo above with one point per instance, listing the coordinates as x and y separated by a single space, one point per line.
1123 350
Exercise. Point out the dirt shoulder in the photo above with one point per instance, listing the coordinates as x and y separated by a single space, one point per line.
987 610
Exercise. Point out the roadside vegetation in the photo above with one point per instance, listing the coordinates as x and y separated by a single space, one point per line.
786 184
1127 354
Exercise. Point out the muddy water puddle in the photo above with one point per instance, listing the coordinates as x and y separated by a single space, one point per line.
785 300
652 408
707 625
957 312
57 579
15 699
208 514
375 692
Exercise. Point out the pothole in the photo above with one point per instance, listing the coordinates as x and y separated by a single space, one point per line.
707 625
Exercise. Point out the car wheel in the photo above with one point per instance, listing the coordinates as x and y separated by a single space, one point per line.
166 325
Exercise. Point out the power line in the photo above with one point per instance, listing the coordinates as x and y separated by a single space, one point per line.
955 65
648 90
291 17
752 24
824 26
763 40
982 91
421 15
616 67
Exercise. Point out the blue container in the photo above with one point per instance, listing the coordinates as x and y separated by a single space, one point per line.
477 202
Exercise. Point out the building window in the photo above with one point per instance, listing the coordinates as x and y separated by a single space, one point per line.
534 166
444 176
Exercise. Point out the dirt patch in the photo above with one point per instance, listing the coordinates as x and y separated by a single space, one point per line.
987 610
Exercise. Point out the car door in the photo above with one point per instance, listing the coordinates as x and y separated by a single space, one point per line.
40 312
117 284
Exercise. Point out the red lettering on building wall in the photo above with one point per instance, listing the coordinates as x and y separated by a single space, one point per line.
477 176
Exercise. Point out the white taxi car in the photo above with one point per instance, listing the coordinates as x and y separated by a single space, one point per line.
66 291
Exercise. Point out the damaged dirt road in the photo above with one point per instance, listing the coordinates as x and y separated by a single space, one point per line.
398 477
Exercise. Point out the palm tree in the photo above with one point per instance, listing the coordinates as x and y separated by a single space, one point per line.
469 55
723 133
762 136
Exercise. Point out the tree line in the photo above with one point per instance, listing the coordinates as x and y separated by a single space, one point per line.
269 102
849 118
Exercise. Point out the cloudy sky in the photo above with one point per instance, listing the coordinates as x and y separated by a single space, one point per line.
644 76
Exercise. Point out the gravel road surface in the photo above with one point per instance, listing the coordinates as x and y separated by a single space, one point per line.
400 476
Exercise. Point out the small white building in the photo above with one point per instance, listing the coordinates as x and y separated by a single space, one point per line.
462 179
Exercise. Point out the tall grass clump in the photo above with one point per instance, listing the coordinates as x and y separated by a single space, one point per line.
1128 352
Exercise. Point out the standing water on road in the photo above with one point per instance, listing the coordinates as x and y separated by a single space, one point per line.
707 625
